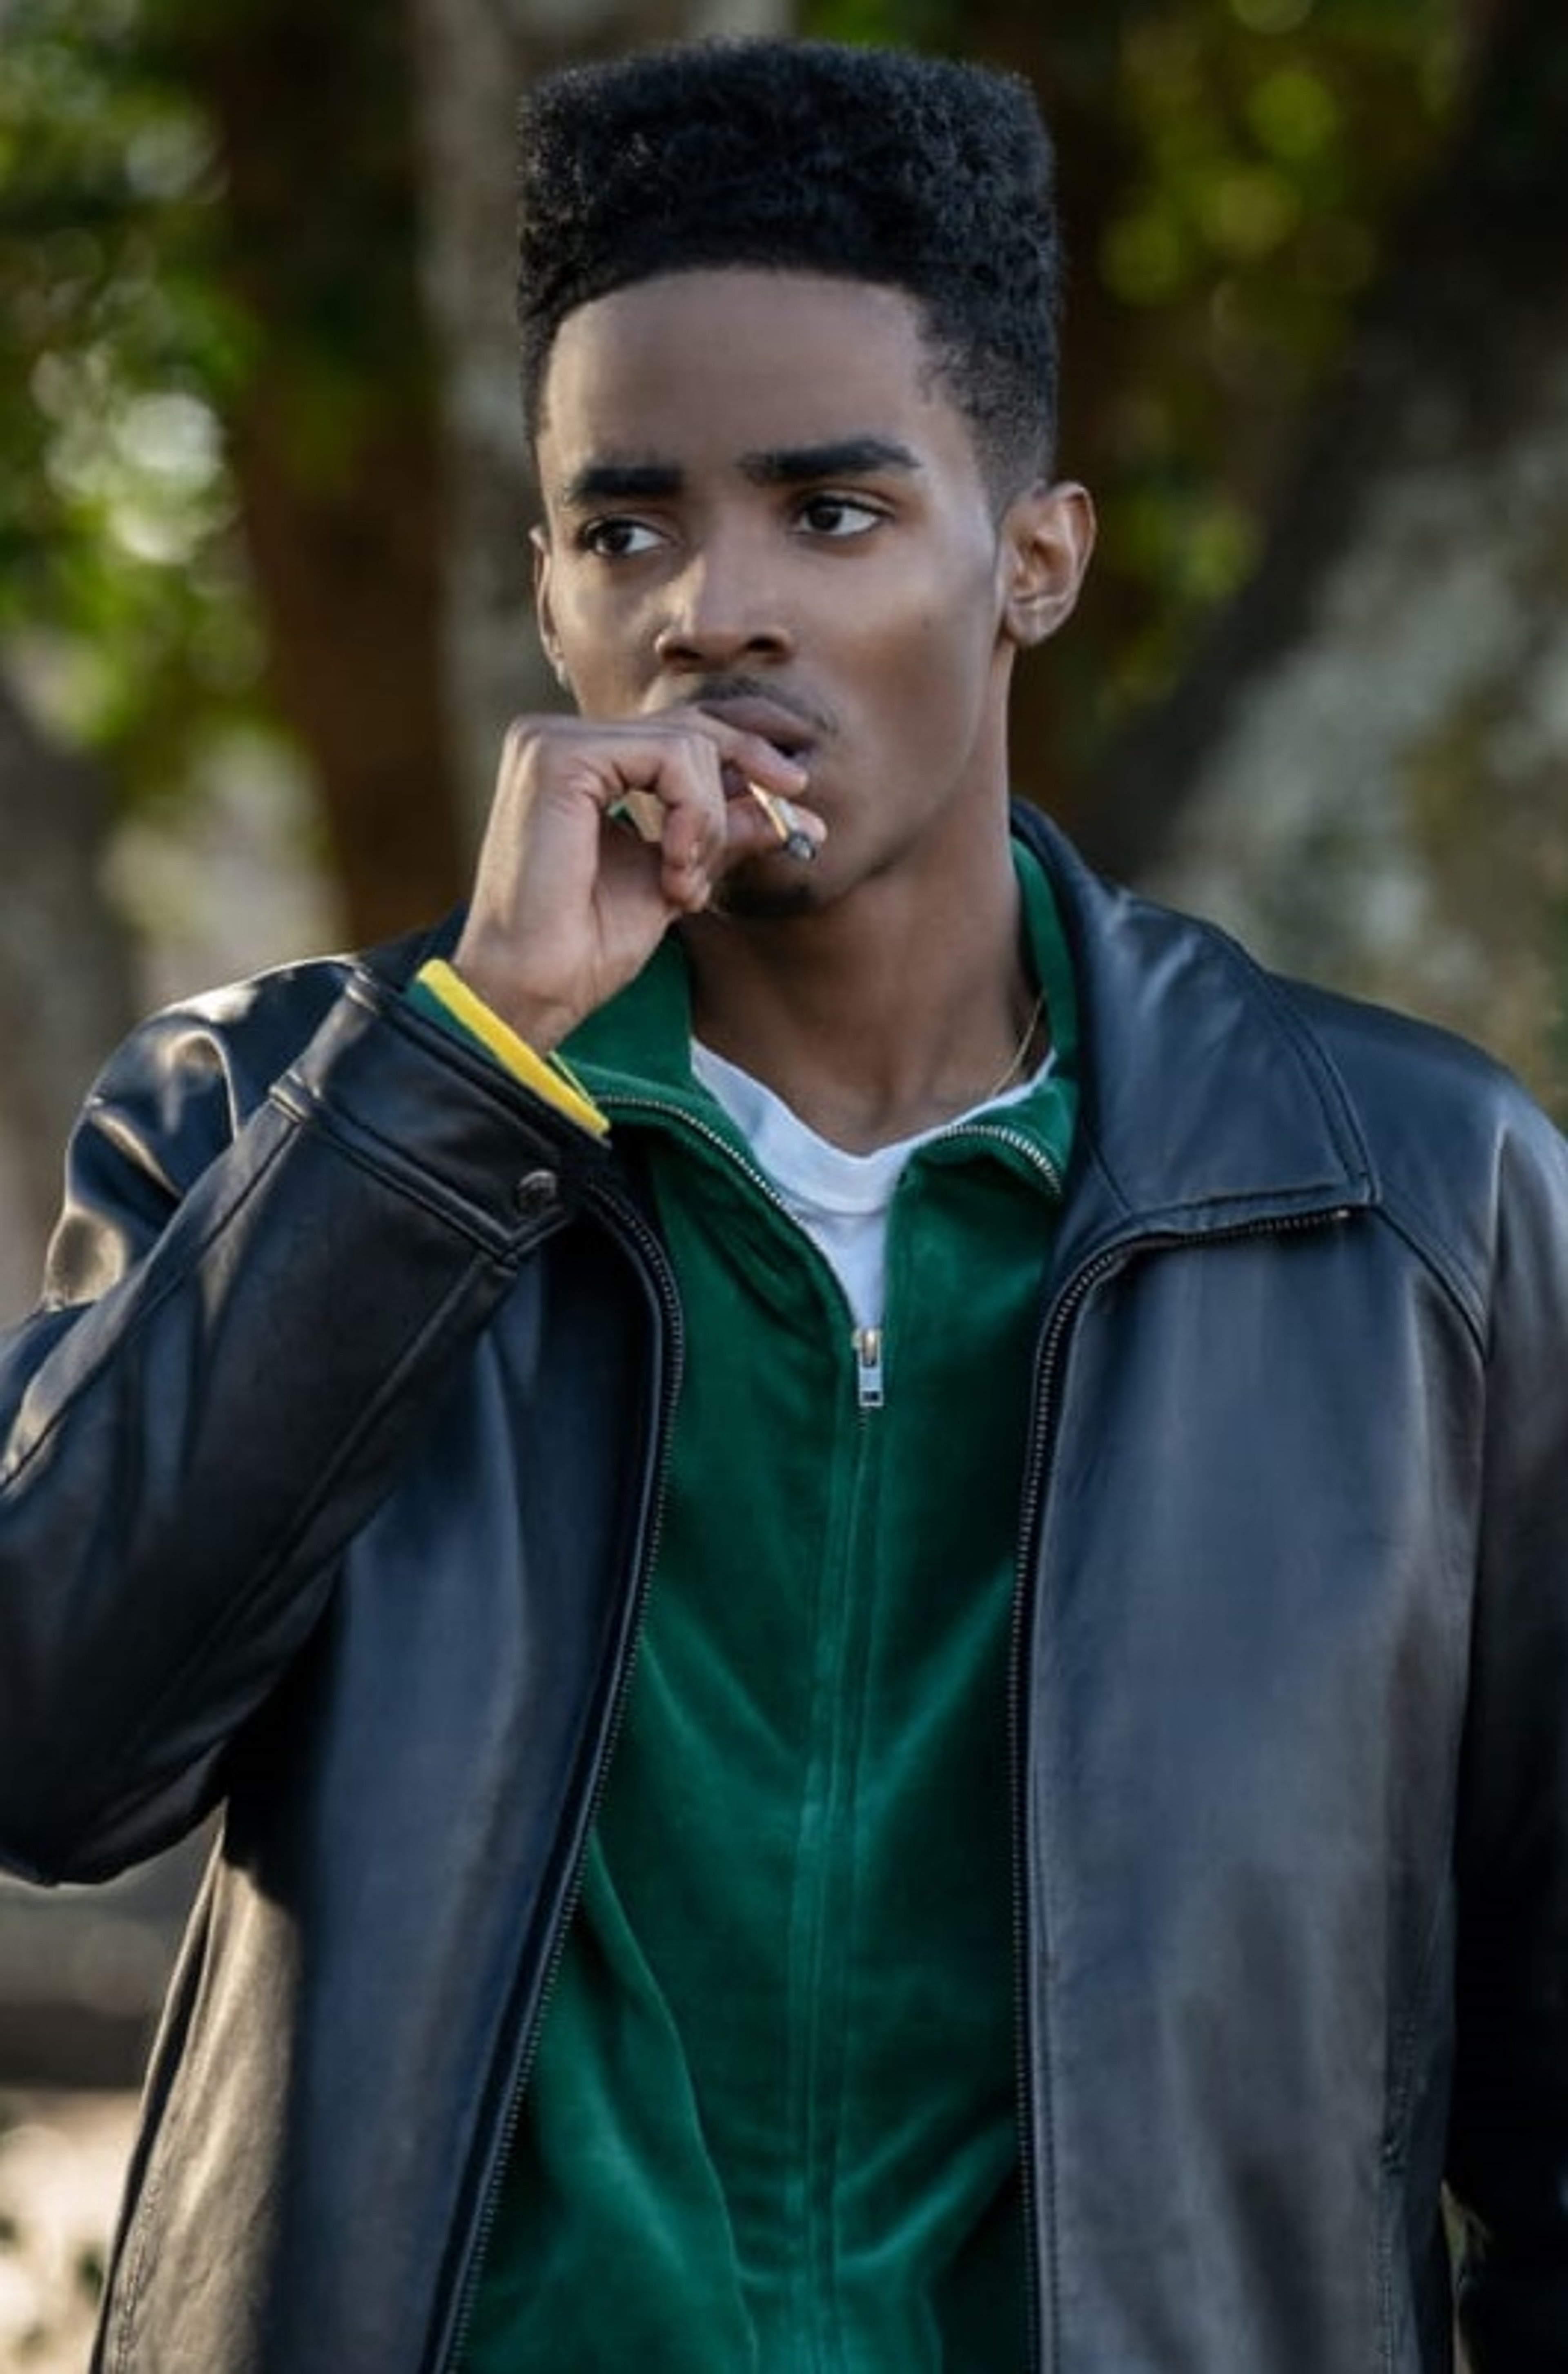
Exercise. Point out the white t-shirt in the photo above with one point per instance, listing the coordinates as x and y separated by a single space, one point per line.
841 1200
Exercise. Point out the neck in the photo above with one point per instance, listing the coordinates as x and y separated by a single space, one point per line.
870 1017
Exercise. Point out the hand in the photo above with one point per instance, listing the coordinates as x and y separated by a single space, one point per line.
600 836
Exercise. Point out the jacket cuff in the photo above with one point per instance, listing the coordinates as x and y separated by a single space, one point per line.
441 993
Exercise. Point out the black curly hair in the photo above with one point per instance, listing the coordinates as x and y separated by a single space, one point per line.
918 173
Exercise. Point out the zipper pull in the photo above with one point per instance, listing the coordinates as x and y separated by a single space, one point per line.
868 1367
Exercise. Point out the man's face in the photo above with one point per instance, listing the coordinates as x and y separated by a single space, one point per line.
759 496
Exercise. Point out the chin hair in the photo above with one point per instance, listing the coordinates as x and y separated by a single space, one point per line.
750 896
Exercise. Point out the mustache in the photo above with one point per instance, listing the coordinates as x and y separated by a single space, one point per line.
737 685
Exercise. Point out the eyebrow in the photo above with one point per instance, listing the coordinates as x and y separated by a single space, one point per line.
611 482
844 457
783 465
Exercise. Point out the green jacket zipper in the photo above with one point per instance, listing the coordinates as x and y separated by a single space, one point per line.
868 1346
869 1384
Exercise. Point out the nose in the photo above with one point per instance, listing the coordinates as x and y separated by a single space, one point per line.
721 609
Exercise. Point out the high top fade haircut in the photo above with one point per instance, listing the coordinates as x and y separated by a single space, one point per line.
917 174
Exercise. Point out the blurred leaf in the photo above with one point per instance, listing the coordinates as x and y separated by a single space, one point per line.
124 586
1236 168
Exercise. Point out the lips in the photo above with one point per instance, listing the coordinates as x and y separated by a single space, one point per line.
790 730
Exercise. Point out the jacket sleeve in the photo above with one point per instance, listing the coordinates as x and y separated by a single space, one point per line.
255 1289
1508 2162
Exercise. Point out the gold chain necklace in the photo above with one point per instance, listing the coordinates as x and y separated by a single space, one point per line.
1015 1061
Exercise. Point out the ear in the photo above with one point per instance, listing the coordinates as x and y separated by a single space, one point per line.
543 611
1047 535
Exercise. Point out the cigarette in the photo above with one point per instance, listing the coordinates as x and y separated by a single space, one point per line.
643 811
794 839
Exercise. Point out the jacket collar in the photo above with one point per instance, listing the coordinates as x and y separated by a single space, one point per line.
638 1044
1207 1103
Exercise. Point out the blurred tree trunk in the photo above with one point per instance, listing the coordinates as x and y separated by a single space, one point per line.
1072 58
1366 770
475 58
65 983
334 432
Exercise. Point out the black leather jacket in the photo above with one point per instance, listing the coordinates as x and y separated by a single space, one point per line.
331 1479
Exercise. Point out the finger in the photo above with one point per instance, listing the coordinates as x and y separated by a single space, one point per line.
686 835
673 789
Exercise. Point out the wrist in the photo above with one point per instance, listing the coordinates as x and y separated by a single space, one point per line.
443 992
542 1022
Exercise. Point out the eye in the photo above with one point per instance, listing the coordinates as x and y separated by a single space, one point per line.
616 538
839 515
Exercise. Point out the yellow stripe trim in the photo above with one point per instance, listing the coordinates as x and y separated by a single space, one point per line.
544 1075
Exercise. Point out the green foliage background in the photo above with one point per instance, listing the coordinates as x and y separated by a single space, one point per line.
1233 173
121 571
1230 169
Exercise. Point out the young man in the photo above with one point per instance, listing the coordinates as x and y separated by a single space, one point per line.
870 1550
